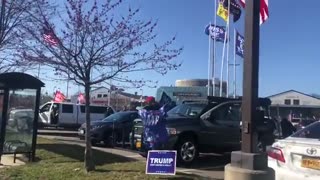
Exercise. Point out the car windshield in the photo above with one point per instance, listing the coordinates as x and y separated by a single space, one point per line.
187 110
311 132
115 117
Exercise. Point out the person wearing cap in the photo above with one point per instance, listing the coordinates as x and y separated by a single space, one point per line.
151 104
153 116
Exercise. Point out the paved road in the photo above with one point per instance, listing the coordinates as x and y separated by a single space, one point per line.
209 166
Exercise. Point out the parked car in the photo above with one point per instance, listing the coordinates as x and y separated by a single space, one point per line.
21 119
298 156
111 129
303 123
208 126
69 115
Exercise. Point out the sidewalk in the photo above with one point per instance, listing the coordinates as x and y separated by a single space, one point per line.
7 161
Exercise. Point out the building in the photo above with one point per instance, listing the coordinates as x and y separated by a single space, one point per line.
192 89
295 105
119 99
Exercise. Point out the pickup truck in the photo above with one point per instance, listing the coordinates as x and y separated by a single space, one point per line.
209 126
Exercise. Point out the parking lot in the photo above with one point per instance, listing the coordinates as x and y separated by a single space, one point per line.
208 165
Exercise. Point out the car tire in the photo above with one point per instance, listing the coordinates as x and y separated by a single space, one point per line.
187 151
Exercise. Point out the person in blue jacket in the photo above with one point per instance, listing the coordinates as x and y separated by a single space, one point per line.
153 117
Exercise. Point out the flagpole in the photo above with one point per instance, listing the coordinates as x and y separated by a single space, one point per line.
228 46
234 65
223 52
209 61
214 52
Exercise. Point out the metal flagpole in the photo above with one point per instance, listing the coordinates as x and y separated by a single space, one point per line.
214 52
209 61
223 53
228 46
234 65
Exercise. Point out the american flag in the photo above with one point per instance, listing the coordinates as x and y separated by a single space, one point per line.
81 99
59 96
264 9
49 36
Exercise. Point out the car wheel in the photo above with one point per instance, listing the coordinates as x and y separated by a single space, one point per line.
187 151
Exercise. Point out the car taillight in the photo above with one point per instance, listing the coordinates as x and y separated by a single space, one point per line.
276 153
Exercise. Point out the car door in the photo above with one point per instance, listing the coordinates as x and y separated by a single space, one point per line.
128 123
221 126
67 115
44 113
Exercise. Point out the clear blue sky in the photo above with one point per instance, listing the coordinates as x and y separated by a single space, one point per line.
289 42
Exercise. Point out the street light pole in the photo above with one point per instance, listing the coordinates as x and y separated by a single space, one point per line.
248 163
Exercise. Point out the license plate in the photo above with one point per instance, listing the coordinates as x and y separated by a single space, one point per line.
138 144
81 131
311 163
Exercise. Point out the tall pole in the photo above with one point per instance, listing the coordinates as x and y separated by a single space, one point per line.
249 163
234 66
214 52
68 84
223 54
209 61
228 46
250 75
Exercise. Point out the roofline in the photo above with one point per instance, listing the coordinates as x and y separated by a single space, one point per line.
292 90
99 88
294 106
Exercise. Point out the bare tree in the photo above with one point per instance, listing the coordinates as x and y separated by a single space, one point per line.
13 15
94 43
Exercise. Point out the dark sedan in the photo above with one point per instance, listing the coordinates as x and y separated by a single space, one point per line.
111 129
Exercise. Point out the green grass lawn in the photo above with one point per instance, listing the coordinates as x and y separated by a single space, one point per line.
57 161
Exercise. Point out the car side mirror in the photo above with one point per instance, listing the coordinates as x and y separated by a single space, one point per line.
205 117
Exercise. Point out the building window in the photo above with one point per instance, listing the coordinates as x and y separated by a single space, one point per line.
296 102
287 101
105 95
99 95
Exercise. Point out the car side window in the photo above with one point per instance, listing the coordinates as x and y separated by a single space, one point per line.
46 108
226 112
310 132
67 108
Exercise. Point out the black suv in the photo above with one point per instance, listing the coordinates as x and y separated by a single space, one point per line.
208 126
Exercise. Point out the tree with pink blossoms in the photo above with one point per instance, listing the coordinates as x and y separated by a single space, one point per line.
95 41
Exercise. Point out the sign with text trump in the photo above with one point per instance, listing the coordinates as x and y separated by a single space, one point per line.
161 162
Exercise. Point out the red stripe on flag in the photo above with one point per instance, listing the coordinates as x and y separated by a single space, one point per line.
264 9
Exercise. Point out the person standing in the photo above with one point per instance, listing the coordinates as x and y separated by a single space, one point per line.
287 128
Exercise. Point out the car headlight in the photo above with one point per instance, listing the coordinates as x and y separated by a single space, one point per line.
172 131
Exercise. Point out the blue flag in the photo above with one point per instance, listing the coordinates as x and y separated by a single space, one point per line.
239 45
154 125
215 32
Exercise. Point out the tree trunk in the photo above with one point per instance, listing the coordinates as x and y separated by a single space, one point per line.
88 161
